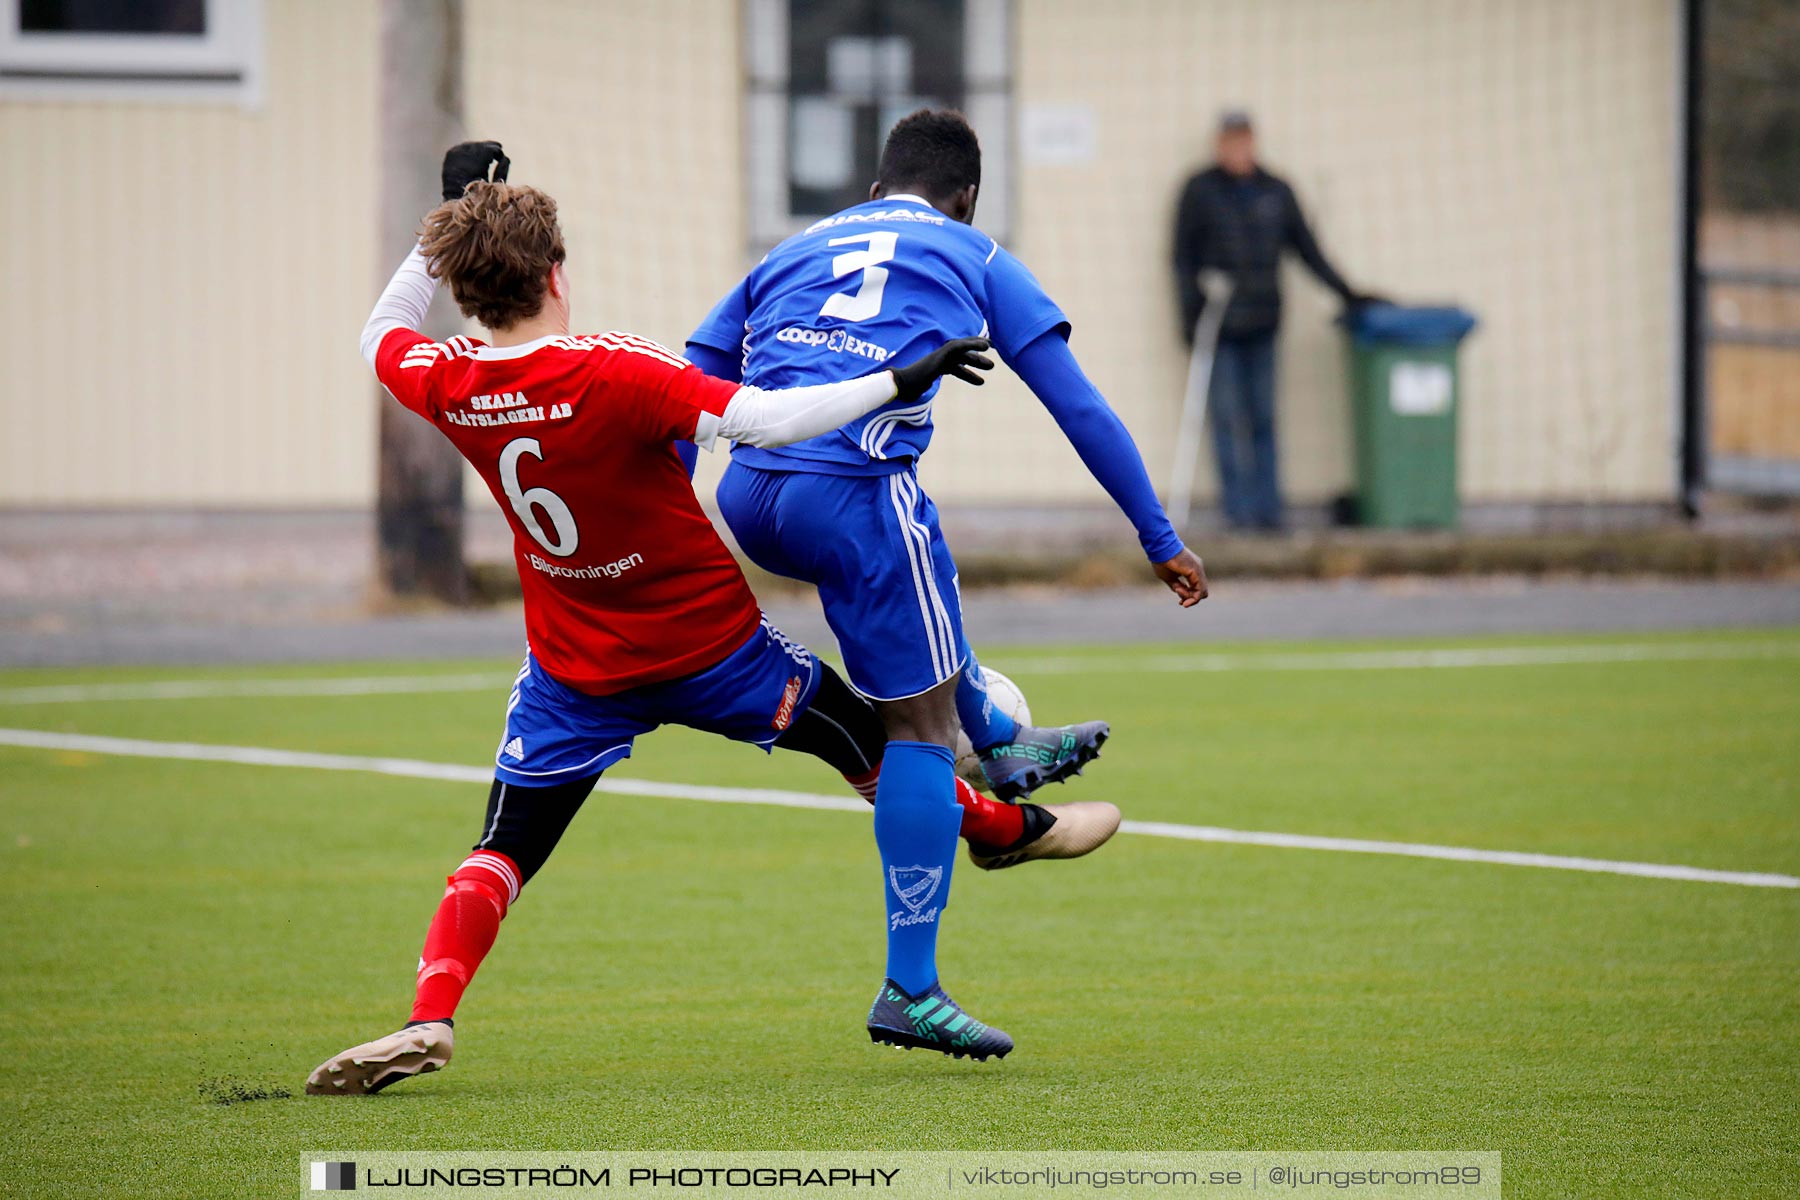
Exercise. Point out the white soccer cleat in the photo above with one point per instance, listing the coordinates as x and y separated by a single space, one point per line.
366 1069
1074 830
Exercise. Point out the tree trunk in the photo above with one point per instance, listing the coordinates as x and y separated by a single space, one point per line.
419 502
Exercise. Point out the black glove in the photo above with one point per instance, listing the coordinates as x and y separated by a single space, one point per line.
962 358
466 162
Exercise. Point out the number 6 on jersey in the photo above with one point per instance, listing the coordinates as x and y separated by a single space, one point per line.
525 503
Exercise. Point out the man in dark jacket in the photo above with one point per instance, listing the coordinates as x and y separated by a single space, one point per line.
1237 218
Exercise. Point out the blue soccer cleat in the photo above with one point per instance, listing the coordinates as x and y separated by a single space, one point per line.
932 1021
1039 755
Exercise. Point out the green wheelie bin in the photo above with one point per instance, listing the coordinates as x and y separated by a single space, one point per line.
1404 394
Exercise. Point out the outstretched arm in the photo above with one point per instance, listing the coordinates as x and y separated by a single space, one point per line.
781 417
1048 367
1300 237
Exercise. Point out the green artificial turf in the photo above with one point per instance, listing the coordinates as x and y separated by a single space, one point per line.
691 975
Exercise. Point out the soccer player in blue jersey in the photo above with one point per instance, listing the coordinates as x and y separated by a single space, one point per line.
874 283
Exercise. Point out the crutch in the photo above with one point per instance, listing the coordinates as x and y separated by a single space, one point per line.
1215 285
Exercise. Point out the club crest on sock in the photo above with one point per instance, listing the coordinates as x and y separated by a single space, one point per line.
915 886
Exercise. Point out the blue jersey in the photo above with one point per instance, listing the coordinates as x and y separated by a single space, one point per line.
879 284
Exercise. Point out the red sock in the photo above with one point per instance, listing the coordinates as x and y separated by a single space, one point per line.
865 783
463 931
984 819
987 820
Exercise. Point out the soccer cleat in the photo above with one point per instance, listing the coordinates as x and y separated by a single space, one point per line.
1040 755
932 1021
1052 831
366 1069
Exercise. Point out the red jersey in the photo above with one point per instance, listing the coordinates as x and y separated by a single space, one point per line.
626 582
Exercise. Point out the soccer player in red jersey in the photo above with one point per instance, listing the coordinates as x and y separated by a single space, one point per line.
635 613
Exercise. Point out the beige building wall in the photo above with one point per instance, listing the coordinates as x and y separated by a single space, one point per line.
1517 157
630 115
181 318
184 291
184 283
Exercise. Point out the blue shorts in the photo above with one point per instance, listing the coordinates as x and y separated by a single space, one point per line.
555 733
872 546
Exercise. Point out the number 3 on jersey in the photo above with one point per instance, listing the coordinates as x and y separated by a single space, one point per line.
527 502
865 302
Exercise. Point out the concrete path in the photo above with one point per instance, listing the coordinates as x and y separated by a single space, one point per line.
1013 616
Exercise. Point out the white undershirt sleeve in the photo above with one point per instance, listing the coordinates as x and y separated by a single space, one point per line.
402 305
781 417
754 416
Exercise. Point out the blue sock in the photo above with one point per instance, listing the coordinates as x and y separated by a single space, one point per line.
981 719
916 824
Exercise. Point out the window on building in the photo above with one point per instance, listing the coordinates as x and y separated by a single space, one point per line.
828 79
132 49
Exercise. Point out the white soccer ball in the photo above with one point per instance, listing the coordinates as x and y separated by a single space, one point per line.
1005 695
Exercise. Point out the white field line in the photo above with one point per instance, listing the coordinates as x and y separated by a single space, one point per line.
1412 660
1365 660
1507 858
214 689
413 768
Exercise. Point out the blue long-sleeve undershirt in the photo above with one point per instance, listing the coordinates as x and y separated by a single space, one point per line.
1049 369
720 364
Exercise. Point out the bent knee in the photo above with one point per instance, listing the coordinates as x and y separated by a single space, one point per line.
930 717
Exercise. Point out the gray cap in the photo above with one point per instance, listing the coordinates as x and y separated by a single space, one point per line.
1235 120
